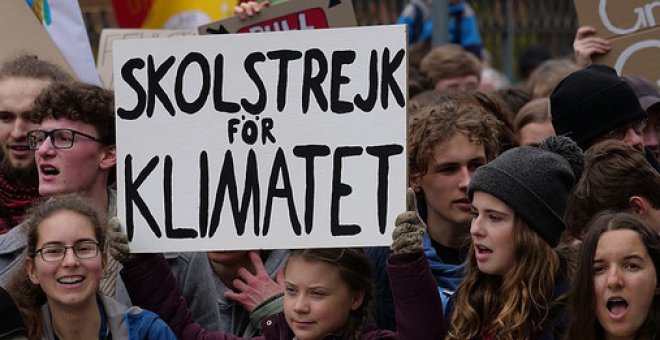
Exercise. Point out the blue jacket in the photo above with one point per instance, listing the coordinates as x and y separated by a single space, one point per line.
448 276
124 323
463 25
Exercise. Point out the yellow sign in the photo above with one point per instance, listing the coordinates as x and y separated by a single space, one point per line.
187 14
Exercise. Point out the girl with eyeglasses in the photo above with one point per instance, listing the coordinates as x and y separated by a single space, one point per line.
57 291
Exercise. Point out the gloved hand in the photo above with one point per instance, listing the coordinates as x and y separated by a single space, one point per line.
117 241
409 230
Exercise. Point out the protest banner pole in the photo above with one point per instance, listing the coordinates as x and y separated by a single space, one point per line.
440 17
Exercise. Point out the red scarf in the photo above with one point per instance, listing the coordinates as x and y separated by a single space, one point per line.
14 201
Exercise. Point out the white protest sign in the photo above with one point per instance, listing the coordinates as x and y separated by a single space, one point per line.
108 37
273 140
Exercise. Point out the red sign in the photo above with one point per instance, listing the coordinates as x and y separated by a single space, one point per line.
313 18
131 13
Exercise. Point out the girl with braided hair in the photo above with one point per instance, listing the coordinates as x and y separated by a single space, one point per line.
328 294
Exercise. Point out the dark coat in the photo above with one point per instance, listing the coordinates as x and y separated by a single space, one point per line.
151 285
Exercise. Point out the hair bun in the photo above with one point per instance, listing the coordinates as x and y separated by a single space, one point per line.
568 149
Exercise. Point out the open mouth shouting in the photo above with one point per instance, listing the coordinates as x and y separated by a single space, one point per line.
617 307
482 253
48 170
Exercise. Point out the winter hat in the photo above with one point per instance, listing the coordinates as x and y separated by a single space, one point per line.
647 94
591 102
535 182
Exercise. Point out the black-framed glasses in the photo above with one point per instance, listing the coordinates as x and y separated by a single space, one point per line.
619 133
56 252
59 138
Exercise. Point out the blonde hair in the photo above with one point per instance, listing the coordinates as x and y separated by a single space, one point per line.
449 61
536 111
517 306
546 76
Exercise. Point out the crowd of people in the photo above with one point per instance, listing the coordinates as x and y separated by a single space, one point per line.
533 212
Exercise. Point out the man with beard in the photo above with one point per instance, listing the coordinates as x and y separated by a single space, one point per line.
21 81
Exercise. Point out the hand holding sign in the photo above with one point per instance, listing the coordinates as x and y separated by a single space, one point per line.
117 241
586 44
248 9
409 231
255 289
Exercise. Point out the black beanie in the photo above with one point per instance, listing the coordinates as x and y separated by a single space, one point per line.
535 182
589 103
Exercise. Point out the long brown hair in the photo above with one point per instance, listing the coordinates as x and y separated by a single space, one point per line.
584 324
518 306
30 297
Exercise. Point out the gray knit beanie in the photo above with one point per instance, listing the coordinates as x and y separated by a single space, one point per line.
535 182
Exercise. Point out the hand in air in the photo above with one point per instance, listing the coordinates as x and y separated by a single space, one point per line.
117 241
409 231
248 9
587 44
253 289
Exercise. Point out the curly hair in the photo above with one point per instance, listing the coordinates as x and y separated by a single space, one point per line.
28 296
495 104
517 306
354 269
436 124
78 101
30 66
583 322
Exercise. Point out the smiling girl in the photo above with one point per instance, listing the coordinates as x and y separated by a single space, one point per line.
64 266
328 295
616 293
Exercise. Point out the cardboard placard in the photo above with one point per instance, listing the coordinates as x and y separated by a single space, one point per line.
108 37
632 28
289 15
277 140
22 33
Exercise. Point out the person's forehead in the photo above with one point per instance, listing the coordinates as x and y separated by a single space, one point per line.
65 123
18 94
458 144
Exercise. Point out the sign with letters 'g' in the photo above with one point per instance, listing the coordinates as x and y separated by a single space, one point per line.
275 140
633 30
